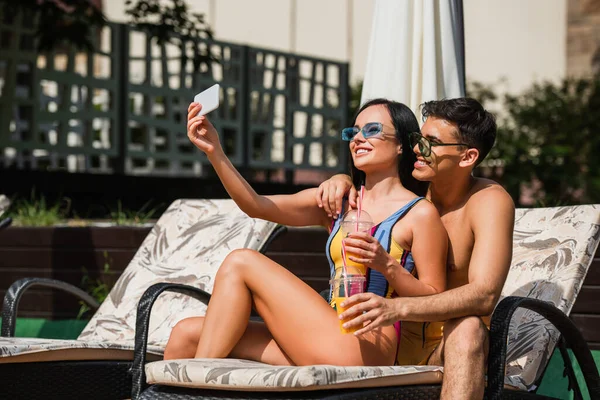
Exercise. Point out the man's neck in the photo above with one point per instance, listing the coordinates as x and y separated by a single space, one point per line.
450 194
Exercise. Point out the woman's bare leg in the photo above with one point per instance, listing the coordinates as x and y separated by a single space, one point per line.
304 326
184 338
256 343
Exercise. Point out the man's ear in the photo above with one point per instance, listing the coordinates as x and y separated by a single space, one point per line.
399 149
469 158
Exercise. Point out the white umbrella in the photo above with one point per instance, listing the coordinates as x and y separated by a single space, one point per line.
416 52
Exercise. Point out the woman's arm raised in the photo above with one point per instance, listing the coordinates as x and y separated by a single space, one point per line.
299 209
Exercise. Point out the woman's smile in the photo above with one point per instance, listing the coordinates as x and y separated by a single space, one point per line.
361 151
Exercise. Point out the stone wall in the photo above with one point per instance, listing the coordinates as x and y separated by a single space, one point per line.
583 37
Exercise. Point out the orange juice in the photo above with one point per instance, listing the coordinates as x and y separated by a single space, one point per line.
359 267
340 309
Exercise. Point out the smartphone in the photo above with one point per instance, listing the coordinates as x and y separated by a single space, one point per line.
209 99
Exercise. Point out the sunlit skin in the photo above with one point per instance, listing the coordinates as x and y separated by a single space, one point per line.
300 331
478 215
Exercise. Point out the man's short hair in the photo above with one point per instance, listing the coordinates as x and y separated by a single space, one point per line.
476 126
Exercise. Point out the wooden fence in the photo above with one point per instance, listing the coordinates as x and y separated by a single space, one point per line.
121 109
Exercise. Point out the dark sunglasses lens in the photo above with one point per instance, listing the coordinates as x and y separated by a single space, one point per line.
349 133
424 147
418 139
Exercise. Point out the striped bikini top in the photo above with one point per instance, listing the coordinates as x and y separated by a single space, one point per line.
376 282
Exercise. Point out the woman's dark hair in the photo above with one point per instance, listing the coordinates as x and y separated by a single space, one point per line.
476 126
404 122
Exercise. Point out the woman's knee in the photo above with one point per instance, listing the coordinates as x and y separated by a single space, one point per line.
237 262
184 338
465 334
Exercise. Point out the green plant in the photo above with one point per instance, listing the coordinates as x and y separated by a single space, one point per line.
98 288
128 217
172 23
58 23
36 212
548 144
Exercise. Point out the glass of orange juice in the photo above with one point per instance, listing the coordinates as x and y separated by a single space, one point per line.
356 221
353 221
344 286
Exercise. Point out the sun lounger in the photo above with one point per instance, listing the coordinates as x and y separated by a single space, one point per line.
186 246
553 249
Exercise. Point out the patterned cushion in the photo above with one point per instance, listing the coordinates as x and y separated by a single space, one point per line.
4 203
552 251
22 349
254 376
187 245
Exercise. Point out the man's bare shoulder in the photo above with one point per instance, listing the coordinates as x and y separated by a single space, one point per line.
489 197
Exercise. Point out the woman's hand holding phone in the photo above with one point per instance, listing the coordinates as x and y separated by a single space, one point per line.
201 132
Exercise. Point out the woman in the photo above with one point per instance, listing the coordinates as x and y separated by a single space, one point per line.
299 327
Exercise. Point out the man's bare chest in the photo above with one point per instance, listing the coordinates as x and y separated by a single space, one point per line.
460 243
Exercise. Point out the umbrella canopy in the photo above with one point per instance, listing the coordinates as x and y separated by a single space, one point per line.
416 52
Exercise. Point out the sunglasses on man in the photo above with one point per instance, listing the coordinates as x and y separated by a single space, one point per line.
425 145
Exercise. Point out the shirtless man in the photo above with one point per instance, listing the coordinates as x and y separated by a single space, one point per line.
478 215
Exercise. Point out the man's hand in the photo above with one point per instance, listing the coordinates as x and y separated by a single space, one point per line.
331 193
368 311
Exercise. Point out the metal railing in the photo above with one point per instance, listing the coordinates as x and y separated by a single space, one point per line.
122 109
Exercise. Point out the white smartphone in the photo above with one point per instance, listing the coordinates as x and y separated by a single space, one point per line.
209 99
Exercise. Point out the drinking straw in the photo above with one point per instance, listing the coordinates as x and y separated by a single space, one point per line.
343 258
360 200
344 276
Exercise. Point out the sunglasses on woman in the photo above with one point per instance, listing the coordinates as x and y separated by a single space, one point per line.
371 129
425 144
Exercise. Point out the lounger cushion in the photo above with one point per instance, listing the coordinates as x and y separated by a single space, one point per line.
4 203
187 245
236 374
552 251
37 350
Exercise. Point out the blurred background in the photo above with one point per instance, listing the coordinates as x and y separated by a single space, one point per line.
93 94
